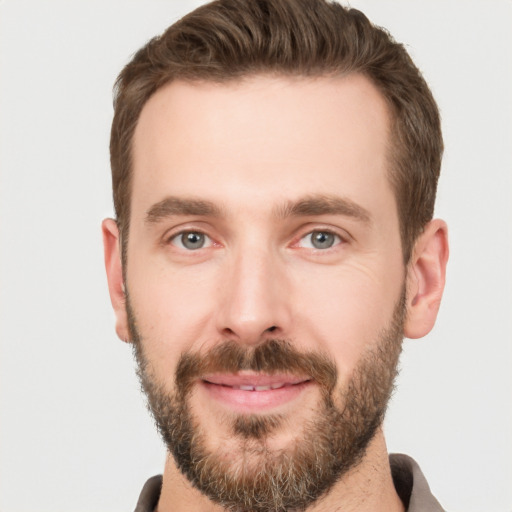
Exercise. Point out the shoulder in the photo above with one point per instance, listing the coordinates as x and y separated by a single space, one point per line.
411 485
149 495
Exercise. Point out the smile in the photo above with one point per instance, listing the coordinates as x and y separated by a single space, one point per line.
259 388
254 392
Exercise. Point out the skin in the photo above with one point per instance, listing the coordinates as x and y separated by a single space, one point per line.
250 149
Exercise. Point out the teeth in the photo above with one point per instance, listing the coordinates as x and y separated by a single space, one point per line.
259 388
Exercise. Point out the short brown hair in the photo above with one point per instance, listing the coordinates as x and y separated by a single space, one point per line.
229 39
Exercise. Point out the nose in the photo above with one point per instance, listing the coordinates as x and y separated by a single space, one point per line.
254 301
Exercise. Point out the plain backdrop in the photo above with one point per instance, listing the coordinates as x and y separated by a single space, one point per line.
74 432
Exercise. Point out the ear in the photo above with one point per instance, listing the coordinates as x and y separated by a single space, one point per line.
113 265
426 279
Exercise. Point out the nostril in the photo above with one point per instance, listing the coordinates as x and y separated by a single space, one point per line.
272 329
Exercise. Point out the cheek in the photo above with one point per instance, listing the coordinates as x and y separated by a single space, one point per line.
172 310
344 313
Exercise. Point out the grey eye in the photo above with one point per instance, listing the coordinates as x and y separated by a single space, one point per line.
191 240
322 239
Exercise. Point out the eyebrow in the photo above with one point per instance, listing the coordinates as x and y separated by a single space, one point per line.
308 206
172 206
324 205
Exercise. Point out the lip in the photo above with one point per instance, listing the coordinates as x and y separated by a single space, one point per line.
253 392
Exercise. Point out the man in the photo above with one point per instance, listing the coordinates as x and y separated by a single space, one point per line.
274 169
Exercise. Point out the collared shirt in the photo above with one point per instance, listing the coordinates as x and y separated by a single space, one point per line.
410 485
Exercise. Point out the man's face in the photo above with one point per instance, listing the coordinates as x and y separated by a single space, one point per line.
264 271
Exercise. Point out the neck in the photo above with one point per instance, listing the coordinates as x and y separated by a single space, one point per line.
368 487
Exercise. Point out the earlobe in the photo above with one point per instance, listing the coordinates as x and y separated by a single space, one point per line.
114 268
426 275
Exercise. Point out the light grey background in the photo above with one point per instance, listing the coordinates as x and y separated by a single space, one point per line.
74 433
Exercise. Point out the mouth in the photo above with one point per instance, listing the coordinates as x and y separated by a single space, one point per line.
253 392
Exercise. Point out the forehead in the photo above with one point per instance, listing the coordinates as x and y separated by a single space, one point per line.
262 138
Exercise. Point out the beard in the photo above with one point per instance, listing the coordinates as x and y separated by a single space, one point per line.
253 477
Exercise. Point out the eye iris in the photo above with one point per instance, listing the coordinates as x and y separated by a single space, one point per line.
192 240
322 240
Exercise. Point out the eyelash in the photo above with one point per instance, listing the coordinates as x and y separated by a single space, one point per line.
337 239
181 234
209 242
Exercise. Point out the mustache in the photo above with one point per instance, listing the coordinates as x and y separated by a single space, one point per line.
272 356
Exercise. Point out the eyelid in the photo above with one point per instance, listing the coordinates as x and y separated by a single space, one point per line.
176 232
343 236
337 240
178 236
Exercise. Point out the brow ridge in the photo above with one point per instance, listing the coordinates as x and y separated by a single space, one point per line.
323 205
307 206
176 206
